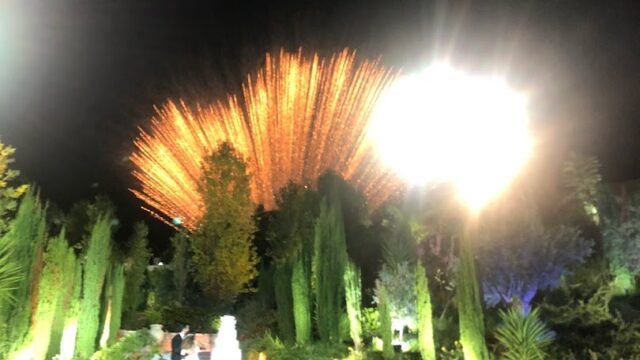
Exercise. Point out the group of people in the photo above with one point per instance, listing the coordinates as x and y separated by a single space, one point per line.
184 345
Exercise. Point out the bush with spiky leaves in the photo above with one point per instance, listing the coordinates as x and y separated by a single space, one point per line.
523 336
10 270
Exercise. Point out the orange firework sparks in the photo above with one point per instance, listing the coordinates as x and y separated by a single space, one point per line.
295 119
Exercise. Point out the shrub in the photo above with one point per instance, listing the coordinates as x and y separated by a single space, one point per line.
139 346
254 320
523 337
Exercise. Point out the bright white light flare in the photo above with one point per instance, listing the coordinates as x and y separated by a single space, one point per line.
444 125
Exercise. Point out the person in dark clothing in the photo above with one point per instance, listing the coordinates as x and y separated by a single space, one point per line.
176 343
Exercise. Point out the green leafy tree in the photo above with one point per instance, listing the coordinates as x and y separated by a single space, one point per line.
95 265
9 194
135 267
329 263
523 336
27 234
224 259
353 294
48 295
424 314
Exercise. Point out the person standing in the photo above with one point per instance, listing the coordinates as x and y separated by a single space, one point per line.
176 343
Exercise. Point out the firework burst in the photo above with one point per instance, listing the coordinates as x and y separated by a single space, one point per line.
294 119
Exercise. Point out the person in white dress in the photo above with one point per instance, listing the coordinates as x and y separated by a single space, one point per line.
190 345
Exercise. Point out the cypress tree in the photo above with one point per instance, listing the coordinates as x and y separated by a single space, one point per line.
49 294
117 296
353 294
64 304
470 312
113 305
72 313
423 309
27 233
96 263
386 330
330 257
301 302
290 238
284 302
136 267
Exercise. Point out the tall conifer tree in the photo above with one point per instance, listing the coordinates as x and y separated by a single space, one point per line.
27 233
95 265
330 258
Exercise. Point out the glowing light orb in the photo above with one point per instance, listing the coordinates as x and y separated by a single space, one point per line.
445 125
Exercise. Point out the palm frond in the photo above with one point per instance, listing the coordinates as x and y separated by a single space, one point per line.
10 270
523 336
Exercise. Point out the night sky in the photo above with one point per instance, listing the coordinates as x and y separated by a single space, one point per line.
78 77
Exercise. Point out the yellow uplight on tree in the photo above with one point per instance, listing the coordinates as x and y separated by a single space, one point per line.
472 131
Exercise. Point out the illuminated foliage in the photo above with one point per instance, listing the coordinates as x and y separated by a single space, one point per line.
296 117
301 289
48 295
284 302
353 295
398 284
117 296
329 262
224 258
9 195
10 270
64 305
386 330
95 265
424 315
518 256
621 237
470 312
523 336
290 239
27 234
581 174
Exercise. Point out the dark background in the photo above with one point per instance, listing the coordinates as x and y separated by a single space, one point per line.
78 77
